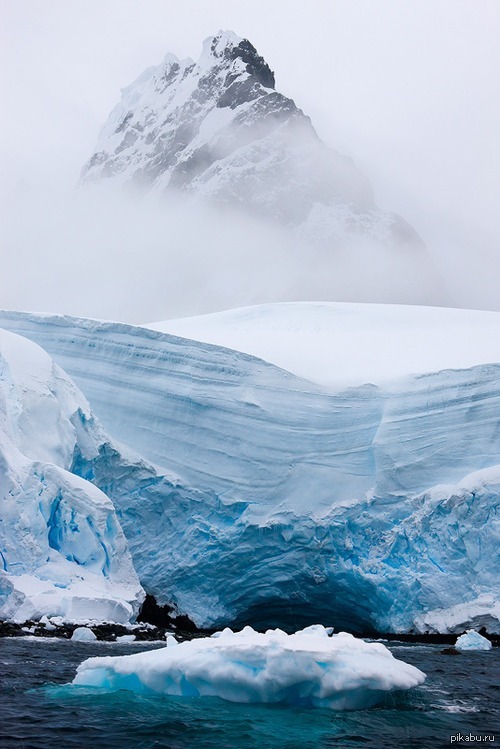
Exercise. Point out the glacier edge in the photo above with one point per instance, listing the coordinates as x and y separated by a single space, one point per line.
290 507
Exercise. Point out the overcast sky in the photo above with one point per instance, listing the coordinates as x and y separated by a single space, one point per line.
407 88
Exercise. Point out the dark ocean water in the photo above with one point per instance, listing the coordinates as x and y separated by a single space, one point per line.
461 695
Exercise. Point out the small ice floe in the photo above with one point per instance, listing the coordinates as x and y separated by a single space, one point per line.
472 640
125 638
83 634
47 623
308 668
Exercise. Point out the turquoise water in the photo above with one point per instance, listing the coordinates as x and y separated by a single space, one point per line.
38 711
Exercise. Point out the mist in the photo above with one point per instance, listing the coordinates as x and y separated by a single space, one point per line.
99 252
403 88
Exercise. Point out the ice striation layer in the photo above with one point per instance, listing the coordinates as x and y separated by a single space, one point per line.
341 344
308 669
62 550
218 129
372 508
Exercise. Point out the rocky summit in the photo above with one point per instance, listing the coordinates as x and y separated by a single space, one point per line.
218 129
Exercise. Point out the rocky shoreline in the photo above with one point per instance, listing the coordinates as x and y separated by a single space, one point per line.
147 632
104 631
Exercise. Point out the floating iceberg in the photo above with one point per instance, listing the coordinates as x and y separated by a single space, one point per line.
126 639
308 668
472 640
83 634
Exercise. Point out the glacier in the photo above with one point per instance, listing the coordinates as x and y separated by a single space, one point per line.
279 502
308 668
63 552
341 344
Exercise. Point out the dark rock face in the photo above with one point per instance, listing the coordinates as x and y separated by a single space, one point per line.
105 631
256 65
164 617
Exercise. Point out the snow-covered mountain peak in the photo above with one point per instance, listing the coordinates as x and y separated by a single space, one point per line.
218 47
217 129
238 56
171 59
221 43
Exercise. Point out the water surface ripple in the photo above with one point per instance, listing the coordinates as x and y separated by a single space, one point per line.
461 695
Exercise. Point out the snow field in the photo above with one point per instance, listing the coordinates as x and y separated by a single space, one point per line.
339 345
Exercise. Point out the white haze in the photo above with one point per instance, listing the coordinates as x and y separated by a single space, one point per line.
407 89
102 253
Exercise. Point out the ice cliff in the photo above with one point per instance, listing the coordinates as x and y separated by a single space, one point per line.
63 552
374 507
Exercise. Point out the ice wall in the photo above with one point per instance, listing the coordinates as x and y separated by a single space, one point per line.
368 508
62 550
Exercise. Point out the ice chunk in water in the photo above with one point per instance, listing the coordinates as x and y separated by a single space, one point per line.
308 668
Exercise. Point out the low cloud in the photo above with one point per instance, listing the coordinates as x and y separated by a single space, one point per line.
101 253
